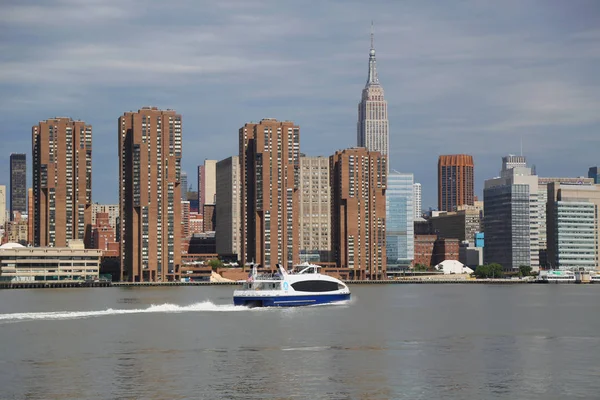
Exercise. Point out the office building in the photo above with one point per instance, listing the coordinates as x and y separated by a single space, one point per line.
315 209
373 126
572 225
2 206
184 186
150 194
207 184
511 161
417 201
511 222
593 173
455 181
400 246
461 225
269 168
18 183
358 224
228 207
62 181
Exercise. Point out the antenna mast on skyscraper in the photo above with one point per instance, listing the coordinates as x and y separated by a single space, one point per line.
372 36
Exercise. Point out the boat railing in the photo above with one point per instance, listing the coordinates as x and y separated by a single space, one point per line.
268 277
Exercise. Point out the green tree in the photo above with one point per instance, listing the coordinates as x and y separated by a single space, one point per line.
495 271
525 270
420 267
215 264
481 271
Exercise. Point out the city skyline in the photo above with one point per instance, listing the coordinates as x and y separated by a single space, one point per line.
456 81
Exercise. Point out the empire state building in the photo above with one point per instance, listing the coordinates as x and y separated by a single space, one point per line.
373 127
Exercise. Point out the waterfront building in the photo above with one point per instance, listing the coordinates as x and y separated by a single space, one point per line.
2 206
18 184
399 233
455 181
417 203
358 216
572 225
511 220
64 264
62 181
150 194
542 200
269 154
207 184
373 125
17 230
30 213
315 209
184 186
424 245
593 173
461 225
470 255
228 206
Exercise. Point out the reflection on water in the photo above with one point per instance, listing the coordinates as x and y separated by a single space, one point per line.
391 342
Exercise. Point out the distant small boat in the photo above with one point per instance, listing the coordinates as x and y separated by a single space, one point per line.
283 289
556 276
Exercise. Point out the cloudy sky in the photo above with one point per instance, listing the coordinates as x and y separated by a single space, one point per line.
474 77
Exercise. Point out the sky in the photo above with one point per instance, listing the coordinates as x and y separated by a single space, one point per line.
485 78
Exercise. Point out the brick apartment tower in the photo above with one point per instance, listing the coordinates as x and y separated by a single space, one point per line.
30 213
269 157
150 195
358 184
455 181
62 181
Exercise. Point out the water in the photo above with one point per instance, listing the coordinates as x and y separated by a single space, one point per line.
388 342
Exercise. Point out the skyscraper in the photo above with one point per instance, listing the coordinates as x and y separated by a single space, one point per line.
455 181
373 126
62 181
400 234
184 186
2 206
18 184
207 186
269 167
358 213
150 194
511 161
593 173
315 209
417 200
227 232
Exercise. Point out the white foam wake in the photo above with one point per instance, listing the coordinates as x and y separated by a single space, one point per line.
154 308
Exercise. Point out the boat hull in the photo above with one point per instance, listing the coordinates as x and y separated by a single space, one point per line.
289 301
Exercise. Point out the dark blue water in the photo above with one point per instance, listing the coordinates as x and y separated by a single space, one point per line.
389 342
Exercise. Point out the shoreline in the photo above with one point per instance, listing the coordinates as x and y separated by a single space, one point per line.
56 285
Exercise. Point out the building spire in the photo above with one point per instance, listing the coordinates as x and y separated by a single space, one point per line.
373 80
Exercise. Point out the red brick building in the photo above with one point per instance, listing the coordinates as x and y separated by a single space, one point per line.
424 245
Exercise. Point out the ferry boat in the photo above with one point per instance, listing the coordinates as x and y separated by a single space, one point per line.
556 276
595 277
283 289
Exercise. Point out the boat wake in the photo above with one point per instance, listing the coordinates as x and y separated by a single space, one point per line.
205 306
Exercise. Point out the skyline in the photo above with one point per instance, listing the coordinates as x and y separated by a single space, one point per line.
463 78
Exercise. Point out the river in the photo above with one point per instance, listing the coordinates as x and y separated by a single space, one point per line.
446 341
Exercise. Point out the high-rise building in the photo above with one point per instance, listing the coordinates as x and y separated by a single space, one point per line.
228 207
62 181
269 167
18 184
572 225
102 232
417 200
150 194
400 234
593 173
30 215
185 219
184 186
2 206
358 225
455 181
373 126
207 184
511 161
315 209
511 220
113 214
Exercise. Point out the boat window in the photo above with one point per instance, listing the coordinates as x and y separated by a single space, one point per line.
315 286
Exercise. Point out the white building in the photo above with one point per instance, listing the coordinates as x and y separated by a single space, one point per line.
315 209
2 206
417 200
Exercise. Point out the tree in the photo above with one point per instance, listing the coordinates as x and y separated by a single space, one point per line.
525 270
481 271
420 267
215 264
496 270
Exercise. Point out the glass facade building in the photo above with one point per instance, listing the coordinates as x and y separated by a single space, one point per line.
507 225
400 220
575 227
